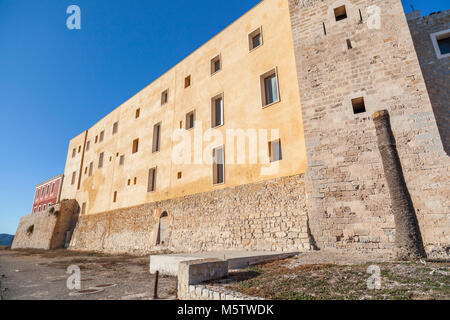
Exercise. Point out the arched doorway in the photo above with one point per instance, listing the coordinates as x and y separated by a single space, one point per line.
163 226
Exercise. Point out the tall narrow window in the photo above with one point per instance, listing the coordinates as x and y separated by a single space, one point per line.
91 168
122 160
275 151
53 187
255 39
115 127
187 81
79 149
165 97
88 144
96 139
74 152
74 175
115 196
217 111
100 160
340 13
83 208
37 193
135 146
218 165
190 119
151 186
102 136
48 188
269 88
138 113
216 64
156 137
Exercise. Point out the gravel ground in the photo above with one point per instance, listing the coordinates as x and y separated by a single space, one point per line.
41 275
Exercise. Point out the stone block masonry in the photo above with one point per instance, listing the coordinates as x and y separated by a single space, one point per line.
48 229
269 215
351 58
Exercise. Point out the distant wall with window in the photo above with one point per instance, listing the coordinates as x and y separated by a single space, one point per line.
47 194
431 36
238 89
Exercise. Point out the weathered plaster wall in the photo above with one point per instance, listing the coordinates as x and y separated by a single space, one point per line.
267 215
348 199
50 227
436 72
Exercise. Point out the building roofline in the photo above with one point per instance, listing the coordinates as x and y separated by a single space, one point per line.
49 180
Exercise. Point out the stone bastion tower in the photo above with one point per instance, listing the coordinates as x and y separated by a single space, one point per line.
354 58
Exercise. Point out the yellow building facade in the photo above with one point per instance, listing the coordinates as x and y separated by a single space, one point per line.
241 86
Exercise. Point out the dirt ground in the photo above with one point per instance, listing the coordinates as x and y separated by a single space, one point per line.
41 275
321 275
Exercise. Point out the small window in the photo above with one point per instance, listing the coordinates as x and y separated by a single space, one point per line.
217 111
115 127
96 139
74 175
39 209
187 82
349 44
88 144
83 208
441 43
100 160
138 113
53 187
444 45
135 146
122 160
218 165
91 168
151 187
129 181
269 88
86 170
190 120
156 137
340 13
115 196
255 39
135 180
179 175
43 207
79 149
74 152
48 188
102 135
165 97
358 105
275 151
216 64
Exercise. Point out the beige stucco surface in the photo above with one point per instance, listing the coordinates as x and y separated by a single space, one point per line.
239 81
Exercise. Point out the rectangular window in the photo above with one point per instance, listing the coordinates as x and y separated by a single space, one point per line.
83 208
102 135
179 175
165 97
74 175
441 43
115 196
100 160
88 144
129 181
122 160
39 209
91 168
190 120
275 151
187 82
135 146
217 111
96 139
216 64
340 13
43 207
35 209
269 88
156 137
79 149
138 113
48 188
255 39
37 193
74 152
53 187
358 105
135 180
444 45
115 127
151 186
218 165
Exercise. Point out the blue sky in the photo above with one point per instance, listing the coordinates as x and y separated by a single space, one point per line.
55 82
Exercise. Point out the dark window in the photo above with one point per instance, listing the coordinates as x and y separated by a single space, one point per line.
275 150
218 165
165 97
216 64
138 113
349 44
115 127
102 135
179 175
217 111
156 137
100 160
187 81
255 39
340 13
190 119
115 196
358 105
83 208
135 146
122 160
444 45
53 187
151 180
88 144
269 83
74 175
91 168
74 152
